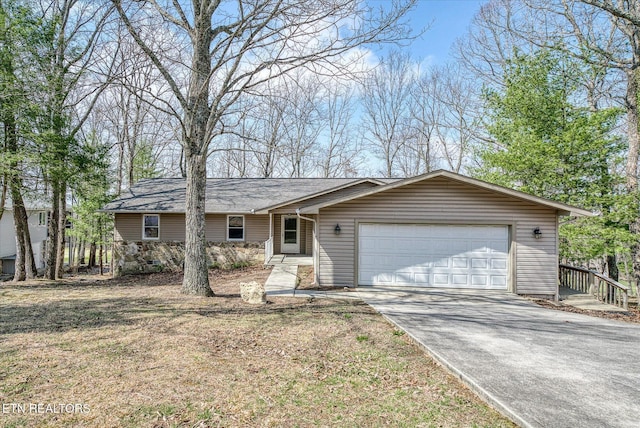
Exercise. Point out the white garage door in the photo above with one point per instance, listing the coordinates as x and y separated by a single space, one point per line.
433 255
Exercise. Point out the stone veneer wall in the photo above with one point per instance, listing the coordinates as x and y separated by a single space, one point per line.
149 256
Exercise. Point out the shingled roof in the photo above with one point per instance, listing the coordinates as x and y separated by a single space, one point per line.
224 195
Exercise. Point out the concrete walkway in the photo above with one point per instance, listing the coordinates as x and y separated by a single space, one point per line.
540 367
284 275
585 301
283 278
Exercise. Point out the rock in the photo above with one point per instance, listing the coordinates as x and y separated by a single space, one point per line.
252 292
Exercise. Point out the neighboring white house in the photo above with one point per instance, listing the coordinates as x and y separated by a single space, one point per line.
37 227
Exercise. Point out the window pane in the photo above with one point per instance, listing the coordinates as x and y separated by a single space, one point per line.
236 234
236 221
151 220
290 223
150 232
290 237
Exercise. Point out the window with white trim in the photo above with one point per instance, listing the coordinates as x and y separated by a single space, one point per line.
151 226
235 228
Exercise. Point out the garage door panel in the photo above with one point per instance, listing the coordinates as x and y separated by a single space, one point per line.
459 262
422 278
499 247
433 255
385 278
416 261
479 280
458 279
441 262
479 263
498 264
440 279
498 281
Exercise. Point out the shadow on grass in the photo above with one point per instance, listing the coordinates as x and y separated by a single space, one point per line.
81 283
61 315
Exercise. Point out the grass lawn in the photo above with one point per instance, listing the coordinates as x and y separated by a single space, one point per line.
134 352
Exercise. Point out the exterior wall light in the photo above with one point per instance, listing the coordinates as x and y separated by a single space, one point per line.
537 233
337 229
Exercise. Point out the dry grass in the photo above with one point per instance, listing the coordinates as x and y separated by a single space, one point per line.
632 314
137 353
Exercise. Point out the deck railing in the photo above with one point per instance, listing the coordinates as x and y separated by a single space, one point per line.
268 250
599 286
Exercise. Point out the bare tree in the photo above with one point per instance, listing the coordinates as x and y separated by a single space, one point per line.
304 122
339 155
141 135
262 131
17 23
72 31
495 32
426 115
386 98
234 48
603 33
233 159
459 120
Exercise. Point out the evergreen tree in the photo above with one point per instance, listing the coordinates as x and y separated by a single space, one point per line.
92 191
19 41
546 145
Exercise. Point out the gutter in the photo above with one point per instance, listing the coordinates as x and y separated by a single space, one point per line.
315 234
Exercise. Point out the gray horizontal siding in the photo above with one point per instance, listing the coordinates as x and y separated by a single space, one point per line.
308 248
291 209
128 227
443 201
216 227
256 227
172 227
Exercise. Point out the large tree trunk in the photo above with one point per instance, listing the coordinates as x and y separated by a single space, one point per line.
92 255
612 267
52 238
76 249
29 259
25 266
3 194
72 251
20 273
62 229
100 248
81 252
196 272
631 167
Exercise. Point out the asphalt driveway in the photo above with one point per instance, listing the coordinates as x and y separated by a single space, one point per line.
540 367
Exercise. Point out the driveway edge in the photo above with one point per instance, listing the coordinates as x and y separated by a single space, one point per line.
473 386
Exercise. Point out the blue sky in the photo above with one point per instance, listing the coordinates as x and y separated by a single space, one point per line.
449 20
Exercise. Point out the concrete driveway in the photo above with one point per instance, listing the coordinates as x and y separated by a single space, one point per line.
540 367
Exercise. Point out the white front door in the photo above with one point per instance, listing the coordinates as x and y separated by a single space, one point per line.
290 235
